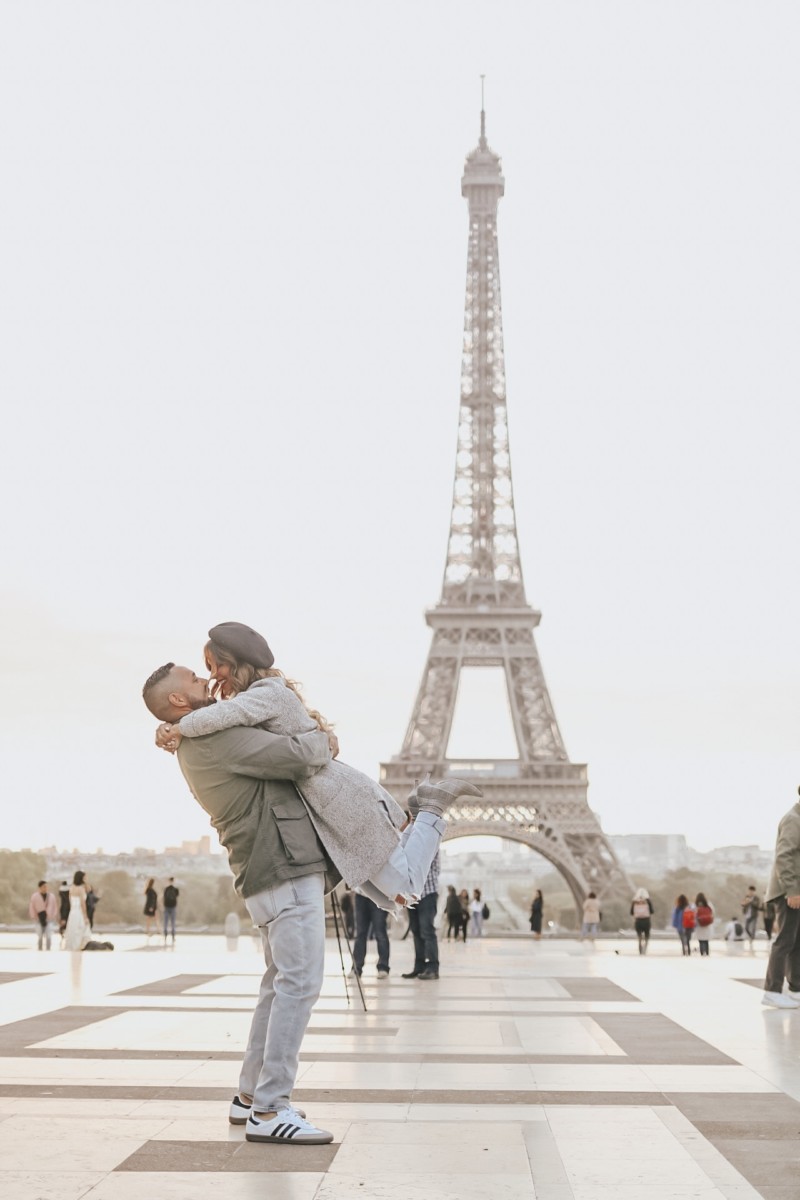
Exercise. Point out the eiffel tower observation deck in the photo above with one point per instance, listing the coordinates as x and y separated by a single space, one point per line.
483 618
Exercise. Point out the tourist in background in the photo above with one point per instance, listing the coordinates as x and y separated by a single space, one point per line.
77 932
452 910
463 899
150 906
704 917
590 925
348 911
769 918
370 916
170 906
43 909
91 904
476 913
63 902
642 913
751 907
422 919
683 922
537 909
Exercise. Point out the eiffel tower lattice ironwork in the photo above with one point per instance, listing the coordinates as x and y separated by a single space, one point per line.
483 617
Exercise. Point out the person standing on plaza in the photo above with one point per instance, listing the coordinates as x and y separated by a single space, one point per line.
751 907
476 913
169 903
422 920
682 923
348 911
642 913
784 891
77 932
91 904
704 916
150 906
452 910
537 910
463 900
63 904
769 918
590 925
43 909
370 916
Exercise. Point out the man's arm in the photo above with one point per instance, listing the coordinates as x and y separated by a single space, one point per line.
787 853
263 755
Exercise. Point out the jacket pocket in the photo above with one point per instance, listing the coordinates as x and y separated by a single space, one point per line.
296 833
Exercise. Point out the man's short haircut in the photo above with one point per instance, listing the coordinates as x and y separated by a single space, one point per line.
41 883
155 692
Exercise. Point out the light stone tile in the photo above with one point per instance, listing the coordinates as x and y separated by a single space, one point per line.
474 1157
38 1185
44 1106
366 1075
419 1186
448 1031
432 1133
670 1078
564 1036
475 1076
98 1146
95 1071
222 1185
517 1113
655 1191
190 1031
600 1077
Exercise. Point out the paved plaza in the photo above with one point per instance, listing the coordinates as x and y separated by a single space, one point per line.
546 1070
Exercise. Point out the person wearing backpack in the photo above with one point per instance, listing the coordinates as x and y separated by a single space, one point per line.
170 909
642 912
683 922
704 915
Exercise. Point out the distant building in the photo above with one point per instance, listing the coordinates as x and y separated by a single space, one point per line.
651 853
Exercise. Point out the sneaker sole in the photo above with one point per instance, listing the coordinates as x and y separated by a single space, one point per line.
299 1140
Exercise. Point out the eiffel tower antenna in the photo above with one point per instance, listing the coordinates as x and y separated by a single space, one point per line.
483 618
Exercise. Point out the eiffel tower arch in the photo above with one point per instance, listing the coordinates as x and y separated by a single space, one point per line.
483 618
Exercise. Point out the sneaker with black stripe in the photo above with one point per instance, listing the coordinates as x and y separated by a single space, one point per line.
240 1110
286 1126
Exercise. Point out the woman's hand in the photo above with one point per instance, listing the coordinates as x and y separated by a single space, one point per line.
168 737
333 742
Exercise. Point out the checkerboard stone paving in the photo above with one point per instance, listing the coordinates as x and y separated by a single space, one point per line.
528 1070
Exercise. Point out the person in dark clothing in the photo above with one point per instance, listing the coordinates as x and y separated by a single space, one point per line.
150 906
370 916
422 919
642 912
348 912
63 907
91 904
463 900
751 907
536 914
170 905
453 912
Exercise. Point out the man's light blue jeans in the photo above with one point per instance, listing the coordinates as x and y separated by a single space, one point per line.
291 918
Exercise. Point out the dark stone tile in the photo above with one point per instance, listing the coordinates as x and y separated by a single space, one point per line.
174 985
270 1156
180 1156
775 1162
15 1037
769 1131
14 976
594 989
737 1108
653 1038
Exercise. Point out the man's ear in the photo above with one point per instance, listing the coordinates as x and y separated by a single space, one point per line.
177 700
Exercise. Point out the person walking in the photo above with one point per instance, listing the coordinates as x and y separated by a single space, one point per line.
63 909
348 911
150 906
169 902
682 923
590 926
76 935
537 909
452 910
422 920
704 917
43 909
476 914
370 916
91 904
642 913
751 907
784 892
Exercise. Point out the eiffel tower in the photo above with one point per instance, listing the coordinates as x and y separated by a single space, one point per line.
483 618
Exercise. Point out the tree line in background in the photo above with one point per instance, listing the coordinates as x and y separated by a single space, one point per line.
207 899
204 899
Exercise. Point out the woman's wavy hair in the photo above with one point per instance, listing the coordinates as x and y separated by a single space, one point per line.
244 674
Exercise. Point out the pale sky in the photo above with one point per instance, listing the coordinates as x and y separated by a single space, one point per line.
232 254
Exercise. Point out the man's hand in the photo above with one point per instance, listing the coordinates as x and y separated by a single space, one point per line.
333 742
793 901
168 737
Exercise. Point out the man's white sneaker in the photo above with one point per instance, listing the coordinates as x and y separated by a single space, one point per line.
240 1110
779 1000
382 974
287 1126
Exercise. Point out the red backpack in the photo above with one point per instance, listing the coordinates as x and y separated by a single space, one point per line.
688 918
704 915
